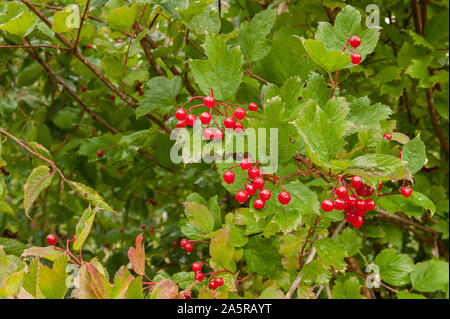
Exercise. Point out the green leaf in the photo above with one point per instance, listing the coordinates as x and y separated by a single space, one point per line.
21 25
373 167
252 36
347 24
320 136
349 289
222 71
3 191
398 203
91 196
7 106
331 253
365 116
160 95
67 118
38 180
222 250
408 295
262 256
12 246
414 153
315 272
83 228
199 216
66 20
272 293
51 282
330 61
394 267
123 18
205 22
350 240
430 276
122 280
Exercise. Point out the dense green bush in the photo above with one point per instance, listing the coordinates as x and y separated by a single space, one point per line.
88 95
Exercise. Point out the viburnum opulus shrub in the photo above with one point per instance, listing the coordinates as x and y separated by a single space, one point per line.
95 96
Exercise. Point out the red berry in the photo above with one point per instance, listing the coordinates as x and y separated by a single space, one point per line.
218 135
360 208
246 163
180 124
100 153
174 244
370 204
241 197
112 97
350 203
239 113
84 89
252 106
219 281
250 189
209 101
183 242
212 285
339 204
358 221
253 173
239 127
380 185
400 154
141 92
121 230
205 118
228 177
327 205
180 114
51 239
89 46
199 276
191 119
196 267
189 247
356 182
284 198
406 191
120 41
265 194
229 122
356 58
368 191
259 182
143 227
355 41
342 192
259 203
387 136
350 218
208 133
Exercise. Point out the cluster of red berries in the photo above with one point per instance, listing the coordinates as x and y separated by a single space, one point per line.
355 42
354 206
214 282
232 119
139 88
188 246
151 201
256 183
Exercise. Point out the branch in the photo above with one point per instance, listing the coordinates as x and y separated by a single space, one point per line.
83 104
85 14
127 99
51 163
435 122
